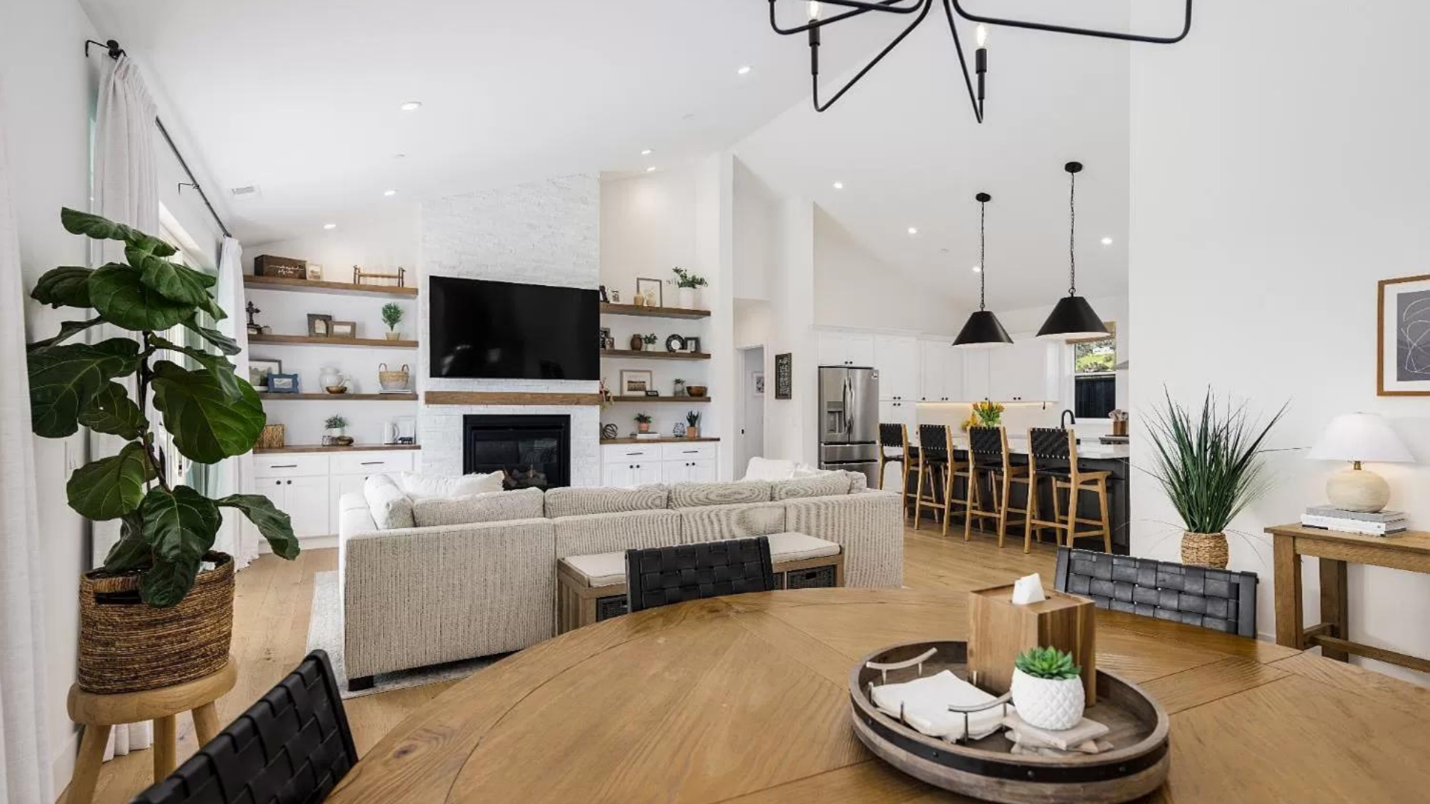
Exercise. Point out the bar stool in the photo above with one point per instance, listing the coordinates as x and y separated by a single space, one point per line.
1046 444
988 454
896 436
934 457
1056 444
949 471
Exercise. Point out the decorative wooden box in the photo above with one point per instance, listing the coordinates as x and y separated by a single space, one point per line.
284 267
999 631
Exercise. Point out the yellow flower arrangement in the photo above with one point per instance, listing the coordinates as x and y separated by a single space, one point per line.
988 413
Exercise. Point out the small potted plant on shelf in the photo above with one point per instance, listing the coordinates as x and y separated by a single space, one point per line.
692 424
334 429
392 316
159 611
643 422
1047 689
649 340
688 288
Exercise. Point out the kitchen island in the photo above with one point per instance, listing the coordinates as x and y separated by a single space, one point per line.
1092 456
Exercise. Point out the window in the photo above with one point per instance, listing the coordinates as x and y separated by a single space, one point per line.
1094 376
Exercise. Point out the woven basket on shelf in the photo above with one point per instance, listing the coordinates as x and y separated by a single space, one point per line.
125 645
1204 550
393 380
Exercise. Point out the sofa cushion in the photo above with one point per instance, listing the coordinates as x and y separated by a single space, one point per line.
796 546
497 507
769 469
609 569
583 501
713 523
390 507
858 481
832 484
423 487
691 495
599 569
602 533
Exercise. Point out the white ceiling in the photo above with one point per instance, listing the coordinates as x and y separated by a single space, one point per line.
302 99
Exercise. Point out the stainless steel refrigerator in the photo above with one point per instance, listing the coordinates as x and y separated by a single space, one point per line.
849 420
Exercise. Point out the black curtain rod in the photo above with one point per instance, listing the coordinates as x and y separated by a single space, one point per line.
115 51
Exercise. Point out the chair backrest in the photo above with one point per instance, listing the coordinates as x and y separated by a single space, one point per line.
933 442
893 436
1051 443
987 442
294 745
1211 598
659 576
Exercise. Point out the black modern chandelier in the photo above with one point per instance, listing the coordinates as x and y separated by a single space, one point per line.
983 328
815 20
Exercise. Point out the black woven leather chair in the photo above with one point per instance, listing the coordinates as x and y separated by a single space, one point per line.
293 746
660 576
1211 598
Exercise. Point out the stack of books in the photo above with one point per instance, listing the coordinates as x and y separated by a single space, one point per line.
1379 523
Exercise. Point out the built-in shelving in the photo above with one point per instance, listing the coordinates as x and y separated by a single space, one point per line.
663 440
407 397
652 312
284 283
310 340
644 399
301 448
654 355
509 398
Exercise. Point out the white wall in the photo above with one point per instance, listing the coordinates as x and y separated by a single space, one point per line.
1272 186
49 94
790 425
756 221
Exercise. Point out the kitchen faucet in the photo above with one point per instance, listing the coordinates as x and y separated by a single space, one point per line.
1067 418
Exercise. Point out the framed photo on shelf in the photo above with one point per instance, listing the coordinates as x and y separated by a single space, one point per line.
1403 336
604 298
282 383
259 370
636 383
343 329
692 344
651 290
315 273
320 326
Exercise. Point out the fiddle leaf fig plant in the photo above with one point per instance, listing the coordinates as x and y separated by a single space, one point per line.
209 412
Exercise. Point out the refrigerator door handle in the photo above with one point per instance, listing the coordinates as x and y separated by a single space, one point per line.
848 409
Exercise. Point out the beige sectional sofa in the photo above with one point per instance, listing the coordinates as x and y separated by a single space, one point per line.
457 588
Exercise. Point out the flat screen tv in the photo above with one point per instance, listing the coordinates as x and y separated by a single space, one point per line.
502 330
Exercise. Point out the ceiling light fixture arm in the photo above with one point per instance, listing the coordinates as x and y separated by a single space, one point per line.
814 40
1064 29
887 6
980 64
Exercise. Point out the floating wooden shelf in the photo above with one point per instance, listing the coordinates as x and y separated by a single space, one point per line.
654 355
660 399
308 340
508 398
670 440
294 448
652 312
342 397
283 283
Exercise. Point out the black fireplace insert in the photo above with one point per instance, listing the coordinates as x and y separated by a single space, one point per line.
533 451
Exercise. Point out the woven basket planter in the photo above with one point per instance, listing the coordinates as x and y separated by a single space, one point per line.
1204 550
126 645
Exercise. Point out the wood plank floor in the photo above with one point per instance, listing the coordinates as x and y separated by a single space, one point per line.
272 606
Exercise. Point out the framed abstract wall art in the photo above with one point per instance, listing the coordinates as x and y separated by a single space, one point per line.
1403 337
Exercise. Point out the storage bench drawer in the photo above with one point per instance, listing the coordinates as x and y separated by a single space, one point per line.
290 465
695 451
383 462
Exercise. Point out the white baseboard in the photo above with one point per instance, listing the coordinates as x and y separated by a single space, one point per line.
306 543
62 765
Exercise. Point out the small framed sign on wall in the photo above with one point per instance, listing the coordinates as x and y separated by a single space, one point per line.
1403 337
784 376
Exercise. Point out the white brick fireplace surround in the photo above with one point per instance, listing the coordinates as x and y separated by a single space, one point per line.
545 232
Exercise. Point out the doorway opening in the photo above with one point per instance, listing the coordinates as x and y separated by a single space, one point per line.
750 408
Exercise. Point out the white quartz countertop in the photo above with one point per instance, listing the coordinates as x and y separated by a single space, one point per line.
1089 449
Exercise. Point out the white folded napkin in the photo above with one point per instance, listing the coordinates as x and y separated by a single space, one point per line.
925 703
1028 589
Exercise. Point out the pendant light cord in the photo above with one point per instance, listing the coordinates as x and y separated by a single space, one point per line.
1072 234
982 260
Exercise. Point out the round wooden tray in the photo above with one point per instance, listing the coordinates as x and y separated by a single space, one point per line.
988 769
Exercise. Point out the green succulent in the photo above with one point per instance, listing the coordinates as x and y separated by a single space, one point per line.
1049 663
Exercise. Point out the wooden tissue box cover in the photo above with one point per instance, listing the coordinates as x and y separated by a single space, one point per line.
998 631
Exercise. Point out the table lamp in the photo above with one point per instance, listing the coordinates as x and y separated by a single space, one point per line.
1357 437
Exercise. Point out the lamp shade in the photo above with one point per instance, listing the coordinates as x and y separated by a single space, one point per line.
1360 437
1072 318
982 330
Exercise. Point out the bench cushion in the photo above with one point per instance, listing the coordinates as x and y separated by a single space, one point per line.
609 569
585 501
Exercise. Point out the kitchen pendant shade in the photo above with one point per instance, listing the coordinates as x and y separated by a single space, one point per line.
1073 318
983 329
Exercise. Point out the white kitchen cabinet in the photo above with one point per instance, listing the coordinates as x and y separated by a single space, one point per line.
839 348
898 412
303 499
941 372
975 372
1024 372
897 359
308 486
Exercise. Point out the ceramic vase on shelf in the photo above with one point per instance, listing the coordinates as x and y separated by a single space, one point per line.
692 431
393 335
643 427
1055 704
637 344
688 298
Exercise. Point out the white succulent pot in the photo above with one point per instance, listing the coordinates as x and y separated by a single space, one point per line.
1048 703
687 297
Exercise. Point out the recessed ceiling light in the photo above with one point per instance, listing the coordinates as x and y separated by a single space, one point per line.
1107 241
330 226
913 230
646 152
411 106
978 269
839 185
650 169
389 193
745 70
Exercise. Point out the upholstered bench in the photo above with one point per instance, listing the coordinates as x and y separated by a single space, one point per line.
592 588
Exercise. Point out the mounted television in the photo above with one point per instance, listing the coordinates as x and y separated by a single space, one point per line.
503 330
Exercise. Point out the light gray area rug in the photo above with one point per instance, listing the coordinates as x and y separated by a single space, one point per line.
325 630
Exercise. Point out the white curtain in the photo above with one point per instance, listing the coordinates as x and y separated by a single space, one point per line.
126 190
24 741
237 537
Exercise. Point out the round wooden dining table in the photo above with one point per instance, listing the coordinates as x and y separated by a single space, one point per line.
745 699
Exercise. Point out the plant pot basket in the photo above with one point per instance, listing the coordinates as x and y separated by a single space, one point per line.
1204 550
126 645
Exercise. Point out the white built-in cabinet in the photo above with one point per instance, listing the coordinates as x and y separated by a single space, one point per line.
659 462
308 485
897 359
1026 371
976 367
941 377
840 348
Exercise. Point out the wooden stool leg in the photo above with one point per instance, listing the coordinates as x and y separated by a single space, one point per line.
1057 516
948 495
86 766
1003 508
1030 513
1106 517
882 463
206 722
1072 512
919 496
970 496
166 747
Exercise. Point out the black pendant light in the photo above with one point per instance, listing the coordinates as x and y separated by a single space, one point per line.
983 328
1073 317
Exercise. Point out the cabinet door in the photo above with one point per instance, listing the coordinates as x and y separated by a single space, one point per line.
647 472
618 475
952 373
833 349
305 499
859 349
931 371
897 358
975 373
702 471
675 471
1020 373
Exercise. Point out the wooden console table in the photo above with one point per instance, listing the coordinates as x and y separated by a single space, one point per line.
1406 551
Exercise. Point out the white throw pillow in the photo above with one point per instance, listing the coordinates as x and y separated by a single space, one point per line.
769 469
426 487
804 470
390 507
